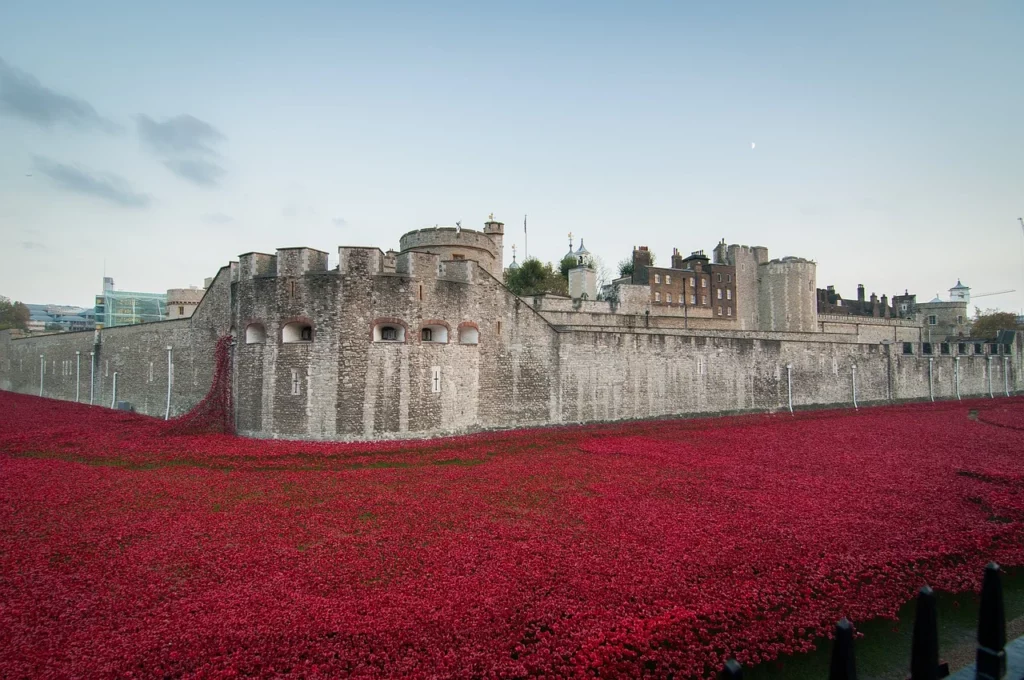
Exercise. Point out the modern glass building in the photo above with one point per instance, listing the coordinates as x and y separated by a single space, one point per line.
124 308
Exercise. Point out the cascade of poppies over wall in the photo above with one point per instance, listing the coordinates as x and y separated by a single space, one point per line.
215 413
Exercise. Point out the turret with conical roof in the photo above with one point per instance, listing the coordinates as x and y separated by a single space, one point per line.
960 293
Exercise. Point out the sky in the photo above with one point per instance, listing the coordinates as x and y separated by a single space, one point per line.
158 141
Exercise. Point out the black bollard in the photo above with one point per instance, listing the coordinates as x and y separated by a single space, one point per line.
732 671
842 666
924 656
991 659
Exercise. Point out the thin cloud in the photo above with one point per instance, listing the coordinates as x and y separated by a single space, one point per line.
186 146
101 185
32 245
340 222
203 173
178 135
218 218
23 96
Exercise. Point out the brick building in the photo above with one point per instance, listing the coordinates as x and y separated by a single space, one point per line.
831 302
691 282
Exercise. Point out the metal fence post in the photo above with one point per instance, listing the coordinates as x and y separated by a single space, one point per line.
789 385
42 372
842 666
991 658
924 654
78 375
931 392
732 671
170 369
991 396
113 392
92 376
855 385
1006 375
956 376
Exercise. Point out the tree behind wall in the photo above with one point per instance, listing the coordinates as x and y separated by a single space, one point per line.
13 314
534 277
568 262
987 323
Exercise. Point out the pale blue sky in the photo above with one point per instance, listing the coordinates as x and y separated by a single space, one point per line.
890 136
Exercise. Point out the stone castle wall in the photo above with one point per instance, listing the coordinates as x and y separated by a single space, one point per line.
83 363
525 368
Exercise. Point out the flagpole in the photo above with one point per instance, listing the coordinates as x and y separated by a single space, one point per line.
526 243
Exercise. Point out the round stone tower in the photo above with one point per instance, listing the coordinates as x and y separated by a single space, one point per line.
456 243
787 300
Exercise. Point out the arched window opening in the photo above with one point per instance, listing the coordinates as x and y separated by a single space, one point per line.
388 332
434 333
255 334
297 331
469 336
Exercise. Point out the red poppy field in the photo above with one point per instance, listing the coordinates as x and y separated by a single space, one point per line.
657 548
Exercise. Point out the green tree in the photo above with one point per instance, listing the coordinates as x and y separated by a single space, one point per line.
13 314
987 323
626 266
568 262
534 277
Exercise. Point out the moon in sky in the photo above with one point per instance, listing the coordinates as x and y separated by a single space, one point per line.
752 145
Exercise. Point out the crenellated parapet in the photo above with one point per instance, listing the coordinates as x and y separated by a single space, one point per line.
300 261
